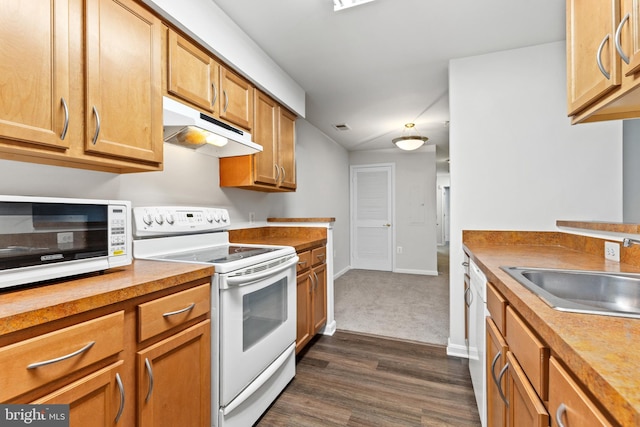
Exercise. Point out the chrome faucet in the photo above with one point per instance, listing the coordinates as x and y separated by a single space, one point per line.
628 242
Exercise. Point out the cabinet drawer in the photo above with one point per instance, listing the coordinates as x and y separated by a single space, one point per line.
304 262
568 403
319 255
31 363
497 306
532 354
165 313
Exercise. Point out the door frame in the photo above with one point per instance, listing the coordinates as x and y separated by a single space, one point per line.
392 202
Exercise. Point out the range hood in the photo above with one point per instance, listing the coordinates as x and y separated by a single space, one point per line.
187 127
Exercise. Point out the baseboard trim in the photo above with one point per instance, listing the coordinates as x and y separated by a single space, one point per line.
341 272
421 272
329 328
456 350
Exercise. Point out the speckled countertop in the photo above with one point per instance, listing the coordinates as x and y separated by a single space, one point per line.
22 308
602 351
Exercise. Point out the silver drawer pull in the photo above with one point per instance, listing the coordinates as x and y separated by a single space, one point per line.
121 389
172 313
559 413
301 263
147 364
61 358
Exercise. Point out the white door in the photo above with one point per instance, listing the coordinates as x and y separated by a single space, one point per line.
372 236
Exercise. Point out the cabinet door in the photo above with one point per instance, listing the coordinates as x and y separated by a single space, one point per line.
496 384
303 319
34 71
525 407
237 99
591 27
123 99
319 297
174 385
266 169
98 397
286 148
568 403
192 73
630 36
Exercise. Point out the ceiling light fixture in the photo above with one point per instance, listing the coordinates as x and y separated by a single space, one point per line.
411 141
345 4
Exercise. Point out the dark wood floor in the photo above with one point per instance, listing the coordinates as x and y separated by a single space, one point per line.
357 380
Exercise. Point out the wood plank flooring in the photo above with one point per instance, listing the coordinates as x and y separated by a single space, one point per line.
356 380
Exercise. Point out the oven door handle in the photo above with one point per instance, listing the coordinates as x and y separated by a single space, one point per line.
246 279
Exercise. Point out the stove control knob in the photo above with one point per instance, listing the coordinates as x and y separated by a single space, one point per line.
159 219
170 219
225 217
147 218
216 216
208 216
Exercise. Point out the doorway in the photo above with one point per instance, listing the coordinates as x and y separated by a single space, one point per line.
372 217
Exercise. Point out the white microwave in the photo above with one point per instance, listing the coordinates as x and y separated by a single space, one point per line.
46 238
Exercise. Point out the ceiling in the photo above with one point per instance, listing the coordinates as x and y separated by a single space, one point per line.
382 64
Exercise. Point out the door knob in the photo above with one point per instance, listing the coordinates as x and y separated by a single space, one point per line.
387 225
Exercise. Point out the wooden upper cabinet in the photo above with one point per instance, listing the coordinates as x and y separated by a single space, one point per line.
236 102
123 109
266 134
192 74
592 65
286 148
629 37
34 75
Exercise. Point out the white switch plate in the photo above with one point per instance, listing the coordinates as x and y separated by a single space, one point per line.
612 251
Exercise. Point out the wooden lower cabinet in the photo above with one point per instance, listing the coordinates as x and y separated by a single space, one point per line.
144 361
496 383
568 403
525 407
311 295
96 400
173 380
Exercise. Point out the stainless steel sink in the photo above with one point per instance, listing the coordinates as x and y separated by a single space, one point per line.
593 292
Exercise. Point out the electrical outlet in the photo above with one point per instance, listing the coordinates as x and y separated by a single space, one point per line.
399 250
252 217
612 251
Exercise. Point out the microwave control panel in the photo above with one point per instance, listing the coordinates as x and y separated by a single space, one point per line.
118 231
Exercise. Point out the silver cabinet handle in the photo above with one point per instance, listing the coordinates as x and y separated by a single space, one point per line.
173 313
215 94
95 137
277 172
284 174
226 100
559 413
618 44
502 372
121 388
599 58
320 257
65 127
493 368
468 297
301 263
61 358
465 264
147 364
315 286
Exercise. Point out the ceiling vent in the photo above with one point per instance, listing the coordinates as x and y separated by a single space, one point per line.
342 126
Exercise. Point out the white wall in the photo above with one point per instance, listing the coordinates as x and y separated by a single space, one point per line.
415 202
190 178
516 161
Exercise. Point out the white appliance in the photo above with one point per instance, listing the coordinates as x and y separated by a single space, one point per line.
47 238
477 338
188 127
254 305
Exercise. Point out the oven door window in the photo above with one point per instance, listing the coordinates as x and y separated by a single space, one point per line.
263 311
